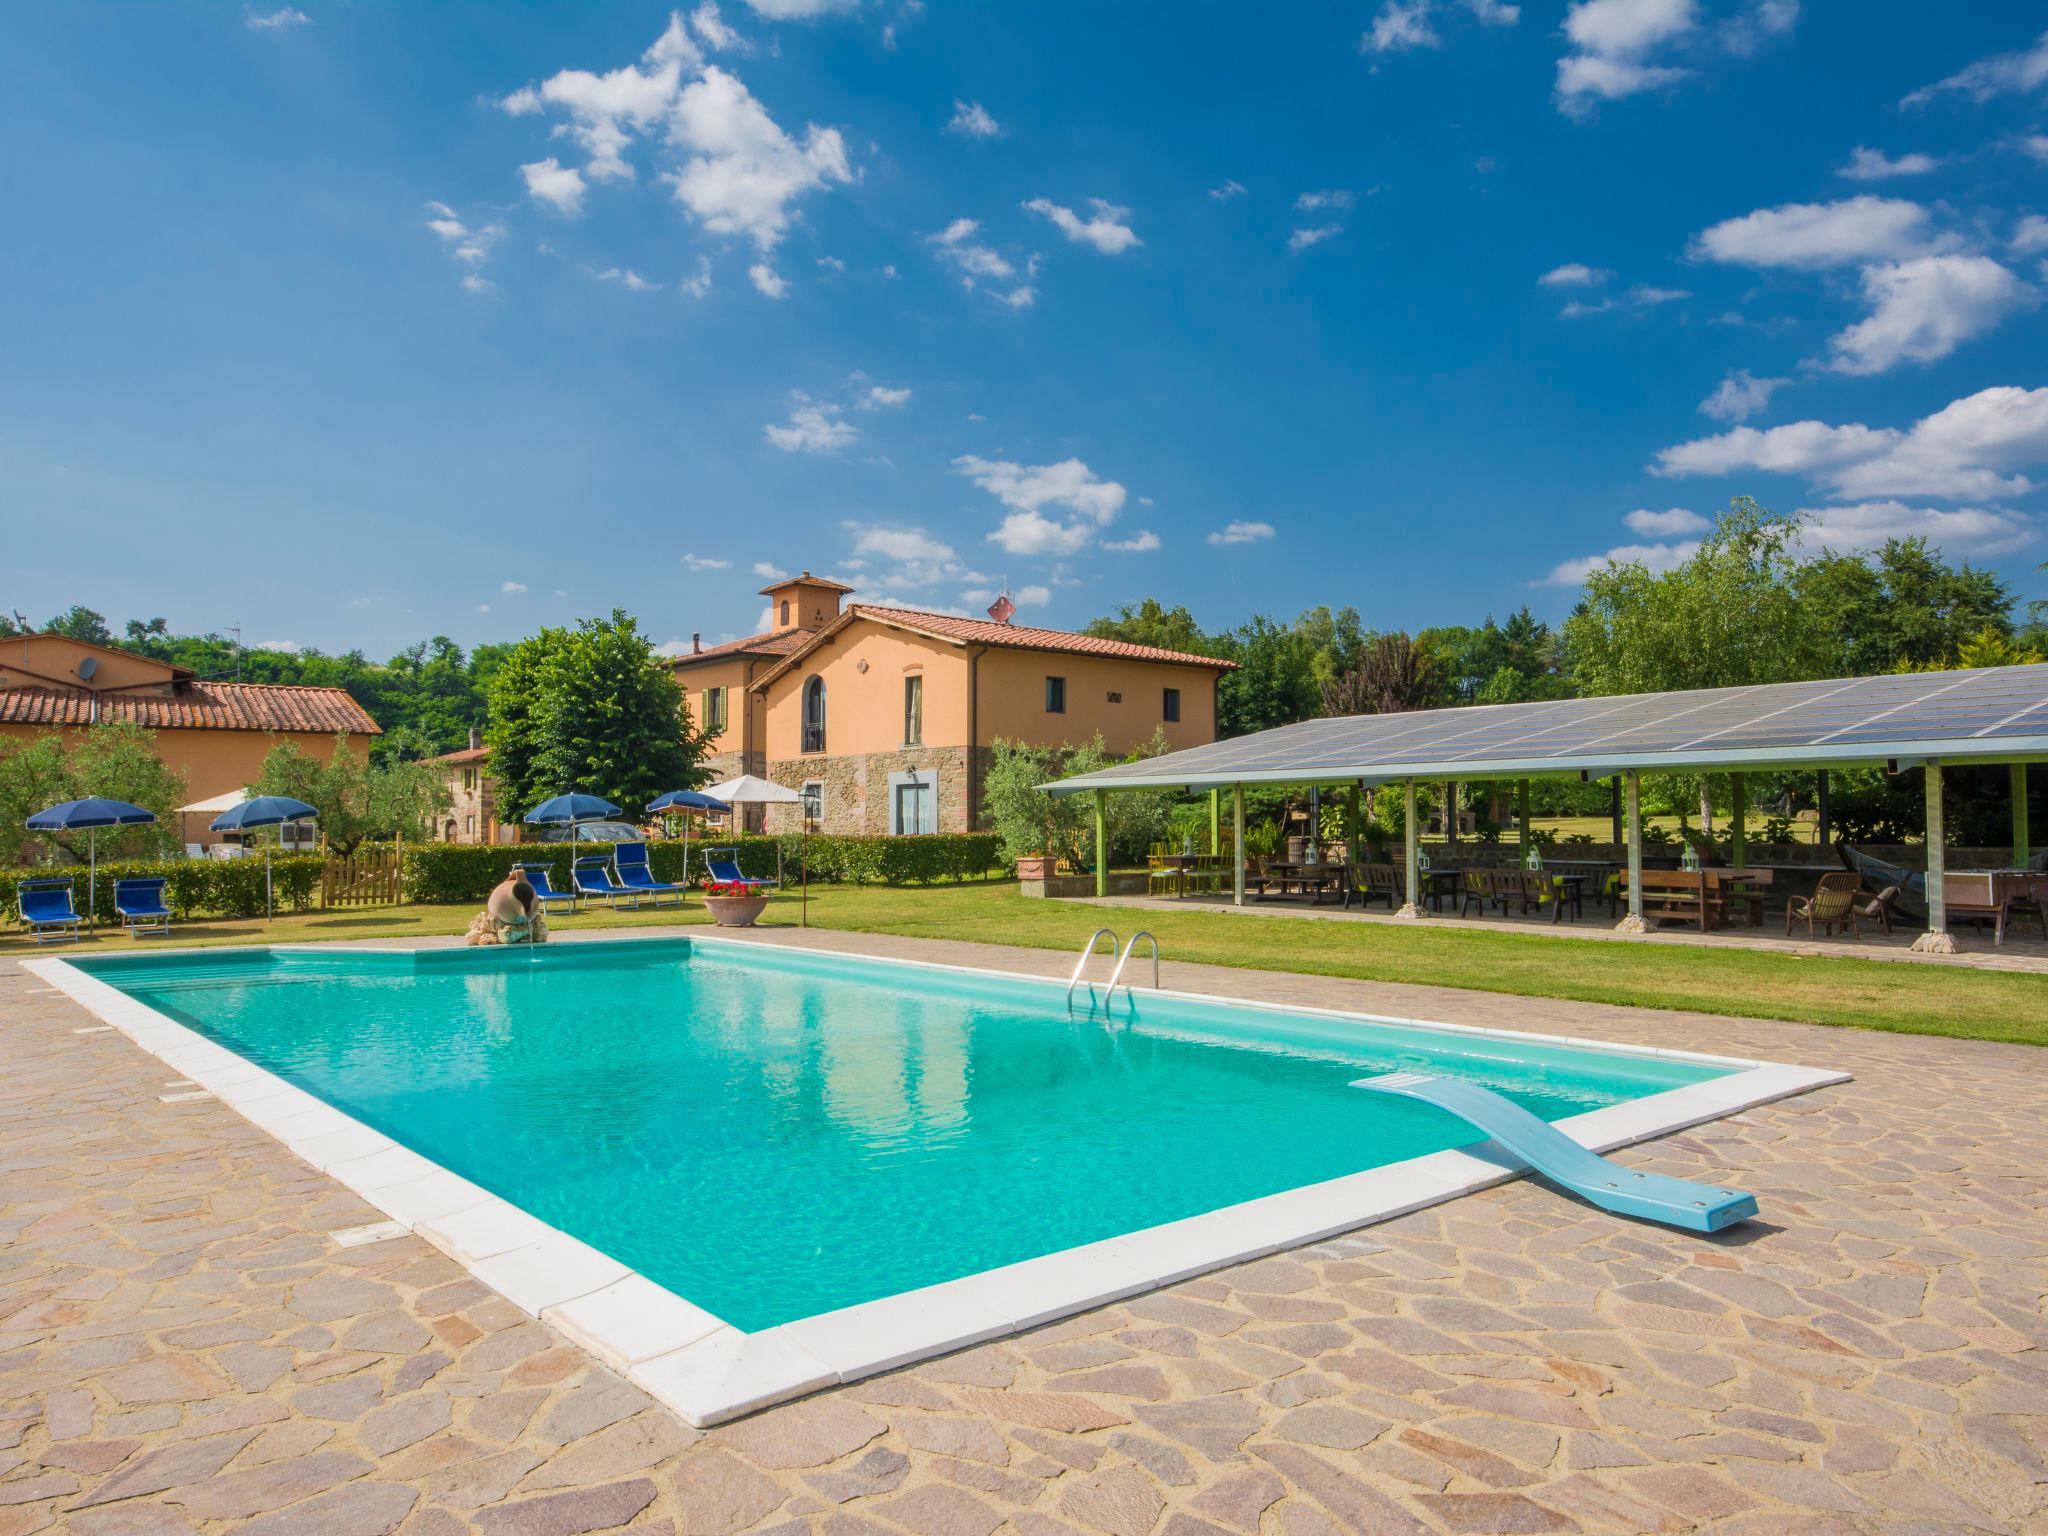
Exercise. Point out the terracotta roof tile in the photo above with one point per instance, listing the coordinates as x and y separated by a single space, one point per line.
1023 637
195 706
779 643
465 755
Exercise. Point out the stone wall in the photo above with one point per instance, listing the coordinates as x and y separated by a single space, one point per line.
856 787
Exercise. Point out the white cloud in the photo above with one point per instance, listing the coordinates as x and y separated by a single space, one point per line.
881 398
559 186
1401 25
1958 531
1640 296
1239 531
483 607
768 571
1019 298
801 10
812 429
1228 190
2030 235
2001 74
1330 197
626 278
1574 274
279 645
1648 294
704 563
2034 144
1142 542
699 282
1029 490
1740 396
280 20
957 244
768 280
1105 229
711 28
1033 596
1656 558
1612 41
973 119
606 111
746 172
1968 449
1867 164
1302 239
1924 309
1494 13
1670 523
470 248
1817 235
920 559
512 586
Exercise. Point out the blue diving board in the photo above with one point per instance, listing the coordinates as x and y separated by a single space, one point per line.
1675 1202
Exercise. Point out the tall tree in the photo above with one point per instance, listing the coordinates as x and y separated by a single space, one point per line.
358 799
1393 674
1904 606
590 710
114 759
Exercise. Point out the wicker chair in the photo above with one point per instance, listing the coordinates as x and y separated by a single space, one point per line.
1832 905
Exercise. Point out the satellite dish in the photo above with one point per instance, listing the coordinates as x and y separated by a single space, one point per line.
87 667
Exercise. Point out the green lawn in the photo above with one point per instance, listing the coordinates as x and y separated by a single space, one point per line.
1872 994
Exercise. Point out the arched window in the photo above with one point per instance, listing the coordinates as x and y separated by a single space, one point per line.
814 715
785 610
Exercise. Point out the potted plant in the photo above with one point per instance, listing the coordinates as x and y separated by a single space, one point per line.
1037 866
734 905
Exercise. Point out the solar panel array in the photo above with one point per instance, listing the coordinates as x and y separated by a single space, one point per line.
1994 713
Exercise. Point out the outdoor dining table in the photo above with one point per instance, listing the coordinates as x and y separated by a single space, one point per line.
1311 879
1439 885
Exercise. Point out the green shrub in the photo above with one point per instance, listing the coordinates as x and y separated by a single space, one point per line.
197 887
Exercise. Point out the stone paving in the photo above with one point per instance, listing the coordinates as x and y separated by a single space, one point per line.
185 1346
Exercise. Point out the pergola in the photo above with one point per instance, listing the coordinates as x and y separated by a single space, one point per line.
1923 720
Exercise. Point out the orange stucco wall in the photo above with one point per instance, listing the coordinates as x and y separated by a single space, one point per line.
864 705
212 762
864 708
51 660
1013 701
731 673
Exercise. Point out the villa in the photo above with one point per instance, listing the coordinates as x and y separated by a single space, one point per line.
885 717
212 732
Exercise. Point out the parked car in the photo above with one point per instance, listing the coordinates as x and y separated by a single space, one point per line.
595 832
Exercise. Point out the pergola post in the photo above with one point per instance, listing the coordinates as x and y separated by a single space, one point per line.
2021 850
1101 839
1354 823
1450 812
1738 811
1215 822
1614 808
1936 940
1824 829
1522 818
1412 849
1237 844
1632 797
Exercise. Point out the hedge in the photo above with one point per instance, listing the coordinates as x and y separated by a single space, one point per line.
453 872
197 888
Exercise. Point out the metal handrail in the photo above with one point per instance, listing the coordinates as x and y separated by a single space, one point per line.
1117 975
1080 965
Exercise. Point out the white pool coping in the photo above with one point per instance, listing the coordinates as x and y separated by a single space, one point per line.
708 1371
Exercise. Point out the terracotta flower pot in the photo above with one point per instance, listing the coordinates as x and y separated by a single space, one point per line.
1036 867
735 911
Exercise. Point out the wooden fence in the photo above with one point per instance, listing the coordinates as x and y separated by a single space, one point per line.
369 877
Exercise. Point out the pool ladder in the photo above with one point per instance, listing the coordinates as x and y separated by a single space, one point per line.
1116 975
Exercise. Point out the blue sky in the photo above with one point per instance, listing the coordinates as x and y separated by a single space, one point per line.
350 323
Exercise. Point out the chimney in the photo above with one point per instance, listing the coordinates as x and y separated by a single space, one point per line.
696 643
476 737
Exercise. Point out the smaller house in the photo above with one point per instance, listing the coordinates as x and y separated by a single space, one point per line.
472 814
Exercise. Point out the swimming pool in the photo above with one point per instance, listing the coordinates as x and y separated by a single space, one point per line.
835 1154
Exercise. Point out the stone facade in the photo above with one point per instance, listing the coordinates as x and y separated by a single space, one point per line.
857 788
472 814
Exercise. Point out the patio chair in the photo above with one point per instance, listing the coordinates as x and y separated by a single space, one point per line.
1376 882
636 873
593 877
551 900
1832 905
46 911
1879 906
139 903
723 866
1478 891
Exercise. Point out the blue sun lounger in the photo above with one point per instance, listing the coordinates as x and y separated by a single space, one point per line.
723 866
636 874
593 876
1675 1202
46 910
550 899
139 903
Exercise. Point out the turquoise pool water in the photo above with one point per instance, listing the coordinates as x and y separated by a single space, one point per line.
772 1134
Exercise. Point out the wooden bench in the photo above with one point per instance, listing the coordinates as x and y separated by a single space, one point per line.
1692 896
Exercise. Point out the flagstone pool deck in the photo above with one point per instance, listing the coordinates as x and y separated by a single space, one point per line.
185 1346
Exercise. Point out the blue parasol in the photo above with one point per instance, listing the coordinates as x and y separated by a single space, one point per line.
686 800
263 811
88 816
571 811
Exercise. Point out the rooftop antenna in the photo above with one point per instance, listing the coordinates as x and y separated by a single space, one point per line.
21 624
1002 608
236 631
